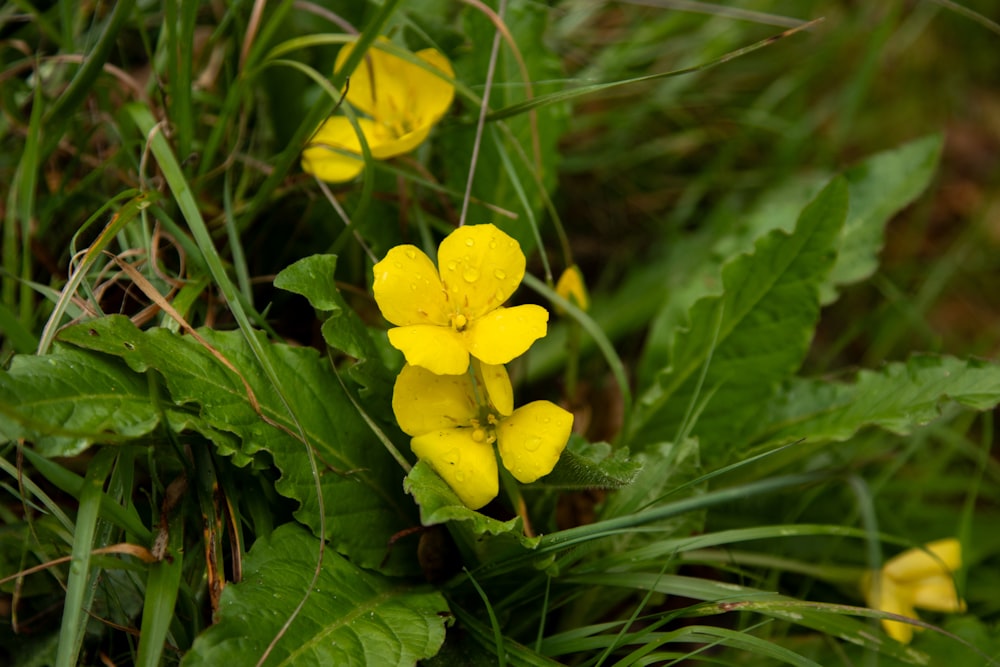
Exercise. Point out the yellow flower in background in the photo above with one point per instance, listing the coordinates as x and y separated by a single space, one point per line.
444 314
402 102
572 288
454 426
916 578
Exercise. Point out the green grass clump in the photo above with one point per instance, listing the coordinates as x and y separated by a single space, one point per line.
783 213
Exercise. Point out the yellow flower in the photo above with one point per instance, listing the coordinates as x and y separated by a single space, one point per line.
916 578
443 316
572 288
402 100
454 426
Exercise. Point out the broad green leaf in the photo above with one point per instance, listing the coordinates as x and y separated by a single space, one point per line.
899 398
586 465
362 484
352 617
878 188
439 504
740 344
312 277
68 400
527 22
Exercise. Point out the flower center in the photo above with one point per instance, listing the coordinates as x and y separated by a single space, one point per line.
459 322
484 433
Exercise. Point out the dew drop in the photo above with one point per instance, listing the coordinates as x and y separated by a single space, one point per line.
452 265
532 444
493 244
500 275
470 275
459 476
546 420
398 265
470 242
413 287
412 254
499 295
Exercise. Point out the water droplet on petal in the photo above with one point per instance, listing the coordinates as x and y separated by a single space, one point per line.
413 287
532 444
499 295
546 420
459 476
452 265
493 244
411 253
470 275
398 265
470 242
500 275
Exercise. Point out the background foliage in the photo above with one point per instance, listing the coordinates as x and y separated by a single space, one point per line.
789 235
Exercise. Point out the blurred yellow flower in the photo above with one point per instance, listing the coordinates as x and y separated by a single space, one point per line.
402 100
442 315
455 422
572 288
916 578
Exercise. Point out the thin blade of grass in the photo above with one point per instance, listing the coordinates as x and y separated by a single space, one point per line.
74 619
162 585
566 95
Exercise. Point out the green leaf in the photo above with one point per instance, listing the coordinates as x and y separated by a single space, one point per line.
879 187
351 617
740 344
68 400
586 465
439 504
899 398
312 277
361 483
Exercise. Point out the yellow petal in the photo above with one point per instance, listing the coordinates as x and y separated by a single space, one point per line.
480 267
939 557
497 385
440 350
360 91
432 92
408 290
408 98
425 402
467 466
506 333
384 148
334 152
531 440
937 593
901 632
572 288
413 97
884 594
